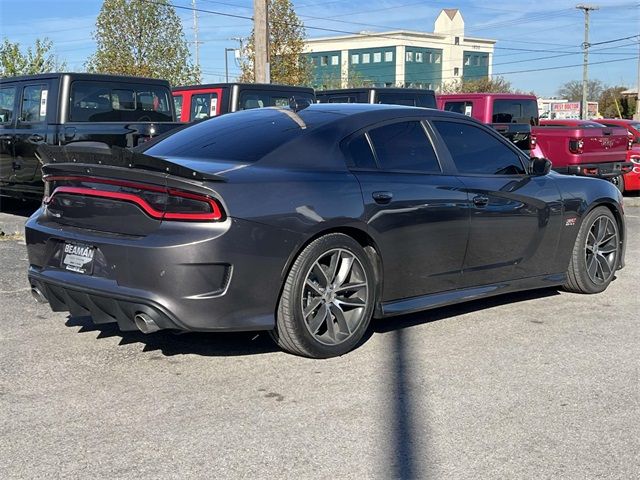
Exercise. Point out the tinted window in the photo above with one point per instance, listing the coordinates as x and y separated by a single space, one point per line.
203 105
427 101
118 102
177 102
360 153
475 151
464 108
404 146
348 99
7 104
34 103
242 137
515 111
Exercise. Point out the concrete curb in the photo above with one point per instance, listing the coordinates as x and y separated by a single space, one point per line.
631 202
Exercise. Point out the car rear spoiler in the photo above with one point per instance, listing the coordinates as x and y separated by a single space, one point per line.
96 153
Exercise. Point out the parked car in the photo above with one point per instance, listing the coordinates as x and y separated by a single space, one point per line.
329 215
64 108
197 102
584 147
512 115
414 97
631 179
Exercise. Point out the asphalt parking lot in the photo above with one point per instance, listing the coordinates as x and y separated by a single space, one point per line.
542 384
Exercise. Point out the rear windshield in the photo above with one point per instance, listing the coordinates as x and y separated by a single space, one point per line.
119 102
242 137
515 111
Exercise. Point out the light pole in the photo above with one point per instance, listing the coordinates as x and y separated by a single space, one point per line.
226 62
585 67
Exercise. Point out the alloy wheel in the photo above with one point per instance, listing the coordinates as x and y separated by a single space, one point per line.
601 250
335 296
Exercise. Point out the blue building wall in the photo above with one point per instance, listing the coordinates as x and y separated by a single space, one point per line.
326 68
374 66
475 65
423 67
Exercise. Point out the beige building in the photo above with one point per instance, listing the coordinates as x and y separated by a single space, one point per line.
402 57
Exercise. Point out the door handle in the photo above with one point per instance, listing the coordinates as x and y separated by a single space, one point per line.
36 138
480 201
382 197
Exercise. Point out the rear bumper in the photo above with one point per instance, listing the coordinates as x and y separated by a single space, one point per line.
598 170
186 276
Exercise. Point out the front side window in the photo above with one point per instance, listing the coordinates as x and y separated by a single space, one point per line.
404 146
34 104
177 103
465 108
7 104
475 151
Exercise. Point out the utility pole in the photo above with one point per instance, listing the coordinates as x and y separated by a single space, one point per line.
261 41
637 115
196 42
226 62
585 47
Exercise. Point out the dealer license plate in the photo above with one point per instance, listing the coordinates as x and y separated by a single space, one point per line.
78 258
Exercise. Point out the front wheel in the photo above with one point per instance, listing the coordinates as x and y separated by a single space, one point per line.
327 300
596 253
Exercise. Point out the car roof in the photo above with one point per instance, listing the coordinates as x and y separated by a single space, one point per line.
336 91
85 76
248 86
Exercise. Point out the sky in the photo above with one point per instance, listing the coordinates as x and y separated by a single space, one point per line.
527 32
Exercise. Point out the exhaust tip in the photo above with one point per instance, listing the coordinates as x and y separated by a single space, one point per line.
38 295
145 323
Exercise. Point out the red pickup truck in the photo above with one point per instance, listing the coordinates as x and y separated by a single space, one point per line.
583 147
631 179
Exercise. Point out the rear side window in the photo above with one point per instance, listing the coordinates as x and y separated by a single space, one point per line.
515 111
7 104
404 146
203 105
464 108
478 152
119 102
360 153
34 104
426 101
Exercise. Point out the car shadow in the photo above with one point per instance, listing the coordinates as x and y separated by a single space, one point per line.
22 208
171 343
252 343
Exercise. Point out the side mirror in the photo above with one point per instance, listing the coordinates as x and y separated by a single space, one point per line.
539 166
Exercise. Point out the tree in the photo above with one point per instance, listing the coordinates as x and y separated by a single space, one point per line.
480 85
36 59
288 65
612 104
142 38
572 90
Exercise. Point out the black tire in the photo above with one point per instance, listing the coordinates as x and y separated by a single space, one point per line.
579 278
619 182
293 333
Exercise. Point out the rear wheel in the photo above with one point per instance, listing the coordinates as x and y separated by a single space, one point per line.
596 253
327 300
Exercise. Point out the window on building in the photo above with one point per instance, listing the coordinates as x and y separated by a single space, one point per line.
456 41
476 60
324 60
418 56
485 60
437 58
456 71
476 151
335 60
366 58
388 56
409 57
404 146
377 57
467 61
355 59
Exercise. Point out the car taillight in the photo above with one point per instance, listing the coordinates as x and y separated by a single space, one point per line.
575 145
158 202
